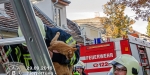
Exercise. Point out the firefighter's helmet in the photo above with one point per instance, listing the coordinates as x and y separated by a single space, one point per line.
80 64
41 27
128 61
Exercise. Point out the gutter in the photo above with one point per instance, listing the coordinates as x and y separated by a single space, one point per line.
66 1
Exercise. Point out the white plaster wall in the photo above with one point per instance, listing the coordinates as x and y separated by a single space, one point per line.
87 30
47 7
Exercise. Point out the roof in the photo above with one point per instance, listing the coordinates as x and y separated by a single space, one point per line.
91 21
75 30
11 24
136 32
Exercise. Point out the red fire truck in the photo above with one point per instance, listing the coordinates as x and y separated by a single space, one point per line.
97 56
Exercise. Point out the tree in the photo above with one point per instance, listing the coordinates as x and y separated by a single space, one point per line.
117 24
148 28
141 7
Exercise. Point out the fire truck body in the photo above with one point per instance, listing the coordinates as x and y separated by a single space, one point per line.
97 56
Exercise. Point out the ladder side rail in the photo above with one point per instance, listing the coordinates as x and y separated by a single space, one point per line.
138 41
147 67
35 42
135 53
10 41
3 1
148 54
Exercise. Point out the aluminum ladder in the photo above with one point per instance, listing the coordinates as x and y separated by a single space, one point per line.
37 48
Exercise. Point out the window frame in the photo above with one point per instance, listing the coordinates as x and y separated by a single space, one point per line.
58 15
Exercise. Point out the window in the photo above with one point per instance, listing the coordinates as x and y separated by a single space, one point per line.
57 17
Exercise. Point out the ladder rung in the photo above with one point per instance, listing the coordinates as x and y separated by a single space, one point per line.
147 68
9 41
142 53
144 58
3 1
143 64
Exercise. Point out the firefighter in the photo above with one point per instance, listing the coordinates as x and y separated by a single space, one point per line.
125 65
19 52
48 33
79 68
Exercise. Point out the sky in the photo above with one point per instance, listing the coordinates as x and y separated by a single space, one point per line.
82 9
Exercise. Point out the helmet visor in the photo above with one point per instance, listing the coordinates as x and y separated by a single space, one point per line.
113 62
116 64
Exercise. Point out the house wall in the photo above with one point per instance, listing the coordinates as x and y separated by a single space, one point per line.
47 7
6 34
93 33
90 31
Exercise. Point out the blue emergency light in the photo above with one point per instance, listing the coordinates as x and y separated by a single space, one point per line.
97 40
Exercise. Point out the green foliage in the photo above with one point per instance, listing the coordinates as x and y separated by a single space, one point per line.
148 29
117 24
